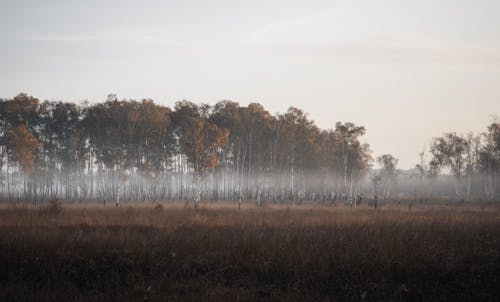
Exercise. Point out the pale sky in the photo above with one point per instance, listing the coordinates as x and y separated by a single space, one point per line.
407 70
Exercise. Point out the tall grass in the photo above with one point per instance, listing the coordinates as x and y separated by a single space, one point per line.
169 253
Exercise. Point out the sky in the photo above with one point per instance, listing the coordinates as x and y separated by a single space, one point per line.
406 70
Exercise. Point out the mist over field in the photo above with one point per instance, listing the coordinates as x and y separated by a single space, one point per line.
278 150
130 200
139 151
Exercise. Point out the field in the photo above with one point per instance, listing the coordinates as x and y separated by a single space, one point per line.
219 253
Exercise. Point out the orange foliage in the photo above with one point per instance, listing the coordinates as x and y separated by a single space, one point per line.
22 145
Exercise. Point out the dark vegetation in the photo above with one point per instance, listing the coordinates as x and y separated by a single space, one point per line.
217 253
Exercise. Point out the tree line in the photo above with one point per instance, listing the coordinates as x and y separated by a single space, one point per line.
458 166
472 160
141 151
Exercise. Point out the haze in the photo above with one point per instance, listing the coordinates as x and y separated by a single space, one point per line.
407 70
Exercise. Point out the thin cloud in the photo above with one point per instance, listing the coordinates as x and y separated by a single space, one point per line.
434 44
146 37
429 53
389 51
279 27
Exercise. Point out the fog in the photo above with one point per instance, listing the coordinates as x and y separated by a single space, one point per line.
128 150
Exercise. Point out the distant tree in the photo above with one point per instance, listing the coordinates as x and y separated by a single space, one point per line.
199 139
22 109
388 173
19 122
329 161
296 138
21 146
450 151
426 170
489 160
57 159
376 179
473 145
354 156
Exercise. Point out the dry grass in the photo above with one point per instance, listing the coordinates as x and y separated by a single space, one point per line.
168 253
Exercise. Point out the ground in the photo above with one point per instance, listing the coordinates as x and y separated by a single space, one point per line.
151 252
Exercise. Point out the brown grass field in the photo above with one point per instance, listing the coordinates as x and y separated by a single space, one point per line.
220 253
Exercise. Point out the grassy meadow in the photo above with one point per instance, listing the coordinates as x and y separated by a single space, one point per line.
152 252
